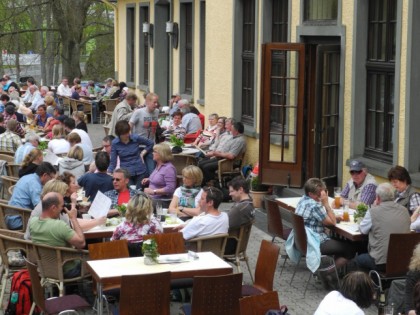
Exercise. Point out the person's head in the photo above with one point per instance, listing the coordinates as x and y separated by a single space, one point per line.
76 152
139 209
34 156
33 138
162 152
10 109
58 132
70 180
213 119
30 81
58 111
211 198
384 192
42 110
79 116
106 143
122 130
313 188
152 101
76 81
78 88
69 124
12 124
238 188
399 178
122 85
115 83
221 122
33 89
415 259
49 101
192 176
177 118
4 98
237 128
46 172
358 172
131 99
358 287
102 161
55 185
229 123
108 82
184 106
65 81
52 204
44 90
120 179
73 138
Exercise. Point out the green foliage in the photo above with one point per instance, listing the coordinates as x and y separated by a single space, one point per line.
176 142
150 248
43 145
256 184
122 209
360 212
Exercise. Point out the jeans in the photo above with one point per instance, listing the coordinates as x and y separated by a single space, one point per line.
150 164
365 262
14 222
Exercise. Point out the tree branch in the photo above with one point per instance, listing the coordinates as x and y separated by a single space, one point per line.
28 31
83 42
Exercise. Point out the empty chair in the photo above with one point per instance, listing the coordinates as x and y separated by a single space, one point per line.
7 181
215 295
264 270
259 304
212 243
168 243
145 294
68 303
275 224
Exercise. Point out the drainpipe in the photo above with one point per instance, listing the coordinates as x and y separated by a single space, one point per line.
117 39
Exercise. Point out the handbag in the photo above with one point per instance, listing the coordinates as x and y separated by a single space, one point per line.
282 311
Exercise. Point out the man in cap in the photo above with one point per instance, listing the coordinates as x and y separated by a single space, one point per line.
360 188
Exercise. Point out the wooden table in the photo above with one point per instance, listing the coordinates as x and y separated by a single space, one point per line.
208 264
346 230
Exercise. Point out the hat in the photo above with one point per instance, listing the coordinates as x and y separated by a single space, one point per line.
356 165
62 118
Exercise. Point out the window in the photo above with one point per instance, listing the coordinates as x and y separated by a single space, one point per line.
187 48
202 48
248 59
144 47
380 67
321 10
279 31
130 32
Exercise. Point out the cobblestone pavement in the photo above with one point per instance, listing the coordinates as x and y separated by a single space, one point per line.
289 294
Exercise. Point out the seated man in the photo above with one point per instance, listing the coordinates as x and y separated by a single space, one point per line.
121 192
211 221
242 211
9 140
360 188
50 230
381 220
32 142
229 149
27 192
92 182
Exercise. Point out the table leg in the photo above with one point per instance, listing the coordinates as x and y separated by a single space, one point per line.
99 294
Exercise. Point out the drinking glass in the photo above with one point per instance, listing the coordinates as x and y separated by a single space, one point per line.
337 197
159 210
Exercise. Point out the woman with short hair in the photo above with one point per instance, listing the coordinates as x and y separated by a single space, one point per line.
73 162
407 196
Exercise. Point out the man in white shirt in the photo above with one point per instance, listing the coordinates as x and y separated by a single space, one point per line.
31 94
70 127
211 221
64 88
39 99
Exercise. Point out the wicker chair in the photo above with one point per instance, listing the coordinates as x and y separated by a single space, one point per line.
213 243
7 181
6 210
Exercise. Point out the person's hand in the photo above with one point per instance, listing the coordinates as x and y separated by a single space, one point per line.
324 197
210 154
100 221
148 191
179 227
144 181
72 213
112 213
73 198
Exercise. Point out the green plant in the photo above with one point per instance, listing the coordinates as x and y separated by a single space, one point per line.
122 209
150 248
176 142
43 145
360 212
256 184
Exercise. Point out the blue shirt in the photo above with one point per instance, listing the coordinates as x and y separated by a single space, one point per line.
313 214
22 151
129 154
92 182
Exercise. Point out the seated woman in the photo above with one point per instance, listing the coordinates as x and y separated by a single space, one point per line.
57 185
41 117
73 162
185 202
139 221
76 93
356 292
207 136
407 196
50 103
175 127
58 144
162 181
80 120
30 163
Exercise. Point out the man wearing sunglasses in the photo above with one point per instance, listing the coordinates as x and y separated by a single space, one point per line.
360 188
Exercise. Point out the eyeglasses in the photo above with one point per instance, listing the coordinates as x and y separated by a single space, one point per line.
355 172
117 179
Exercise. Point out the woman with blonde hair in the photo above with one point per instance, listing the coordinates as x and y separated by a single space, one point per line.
58 144
50 103
31 161
139 221
185 202
73 162
80 120
162 181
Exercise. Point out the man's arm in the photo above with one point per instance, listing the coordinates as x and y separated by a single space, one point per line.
366 223
78 238
368 194
330 218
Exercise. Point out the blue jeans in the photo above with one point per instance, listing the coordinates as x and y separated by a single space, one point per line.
150 164
14 222
365 262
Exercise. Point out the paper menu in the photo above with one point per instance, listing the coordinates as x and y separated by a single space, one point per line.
100 206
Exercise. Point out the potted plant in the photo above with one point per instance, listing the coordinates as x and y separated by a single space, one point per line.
150 251
122 209
258 191
360 212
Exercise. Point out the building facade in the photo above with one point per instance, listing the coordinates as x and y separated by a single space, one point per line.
316 82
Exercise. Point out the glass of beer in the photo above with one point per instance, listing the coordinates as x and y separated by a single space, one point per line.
337 197
346 216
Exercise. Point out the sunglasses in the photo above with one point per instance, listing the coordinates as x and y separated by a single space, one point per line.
117 179
355 172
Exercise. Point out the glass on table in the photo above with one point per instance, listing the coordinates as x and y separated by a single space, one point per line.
159 211
337 197
346 215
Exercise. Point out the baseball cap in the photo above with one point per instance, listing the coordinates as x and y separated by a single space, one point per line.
62 118
356 165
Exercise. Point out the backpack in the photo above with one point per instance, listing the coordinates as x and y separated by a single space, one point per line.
20 301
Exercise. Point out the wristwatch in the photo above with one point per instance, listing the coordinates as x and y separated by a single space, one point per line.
154 191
